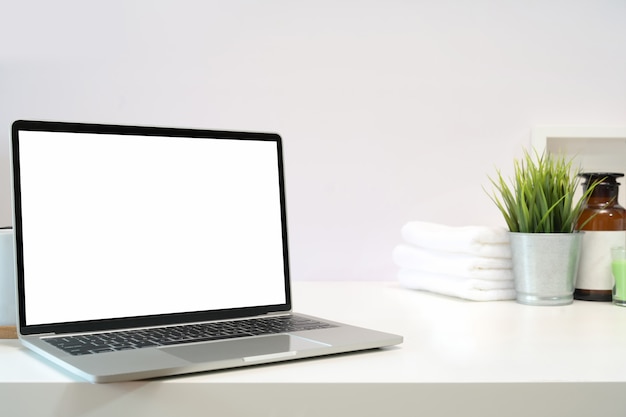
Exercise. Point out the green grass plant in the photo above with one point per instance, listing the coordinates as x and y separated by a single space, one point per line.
540 195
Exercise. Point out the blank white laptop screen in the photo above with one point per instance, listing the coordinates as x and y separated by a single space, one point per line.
117 226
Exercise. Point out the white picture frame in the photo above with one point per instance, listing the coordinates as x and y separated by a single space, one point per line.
593 148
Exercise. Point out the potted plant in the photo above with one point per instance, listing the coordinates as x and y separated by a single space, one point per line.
541 212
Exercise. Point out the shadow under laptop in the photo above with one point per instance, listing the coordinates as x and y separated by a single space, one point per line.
285 364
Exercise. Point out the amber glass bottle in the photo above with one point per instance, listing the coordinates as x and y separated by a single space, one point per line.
604 222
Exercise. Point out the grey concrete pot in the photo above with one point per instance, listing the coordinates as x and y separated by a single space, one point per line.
545 267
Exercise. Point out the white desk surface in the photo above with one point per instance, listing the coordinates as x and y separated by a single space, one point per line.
484 359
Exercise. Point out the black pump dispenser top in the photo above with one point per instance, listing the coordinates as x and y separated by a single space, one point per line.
608 178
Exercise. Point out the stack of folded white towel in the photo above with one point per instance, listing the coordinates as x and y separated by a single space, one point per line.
470 262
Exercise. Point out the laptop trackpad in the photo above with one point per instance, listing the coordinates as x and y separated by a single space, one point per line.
249 349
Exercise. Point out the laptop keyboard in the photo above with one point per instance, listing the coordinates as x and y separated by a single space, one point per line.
188 333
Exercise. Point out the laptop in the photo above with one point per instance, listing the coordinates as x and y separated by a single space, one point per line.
144 252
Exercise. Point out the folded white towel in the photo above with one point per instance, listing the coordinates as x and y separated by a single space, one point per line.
455 264
485 241
469 289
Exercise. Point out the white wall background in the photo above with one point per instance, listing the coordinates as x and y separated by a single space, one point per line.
391 111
